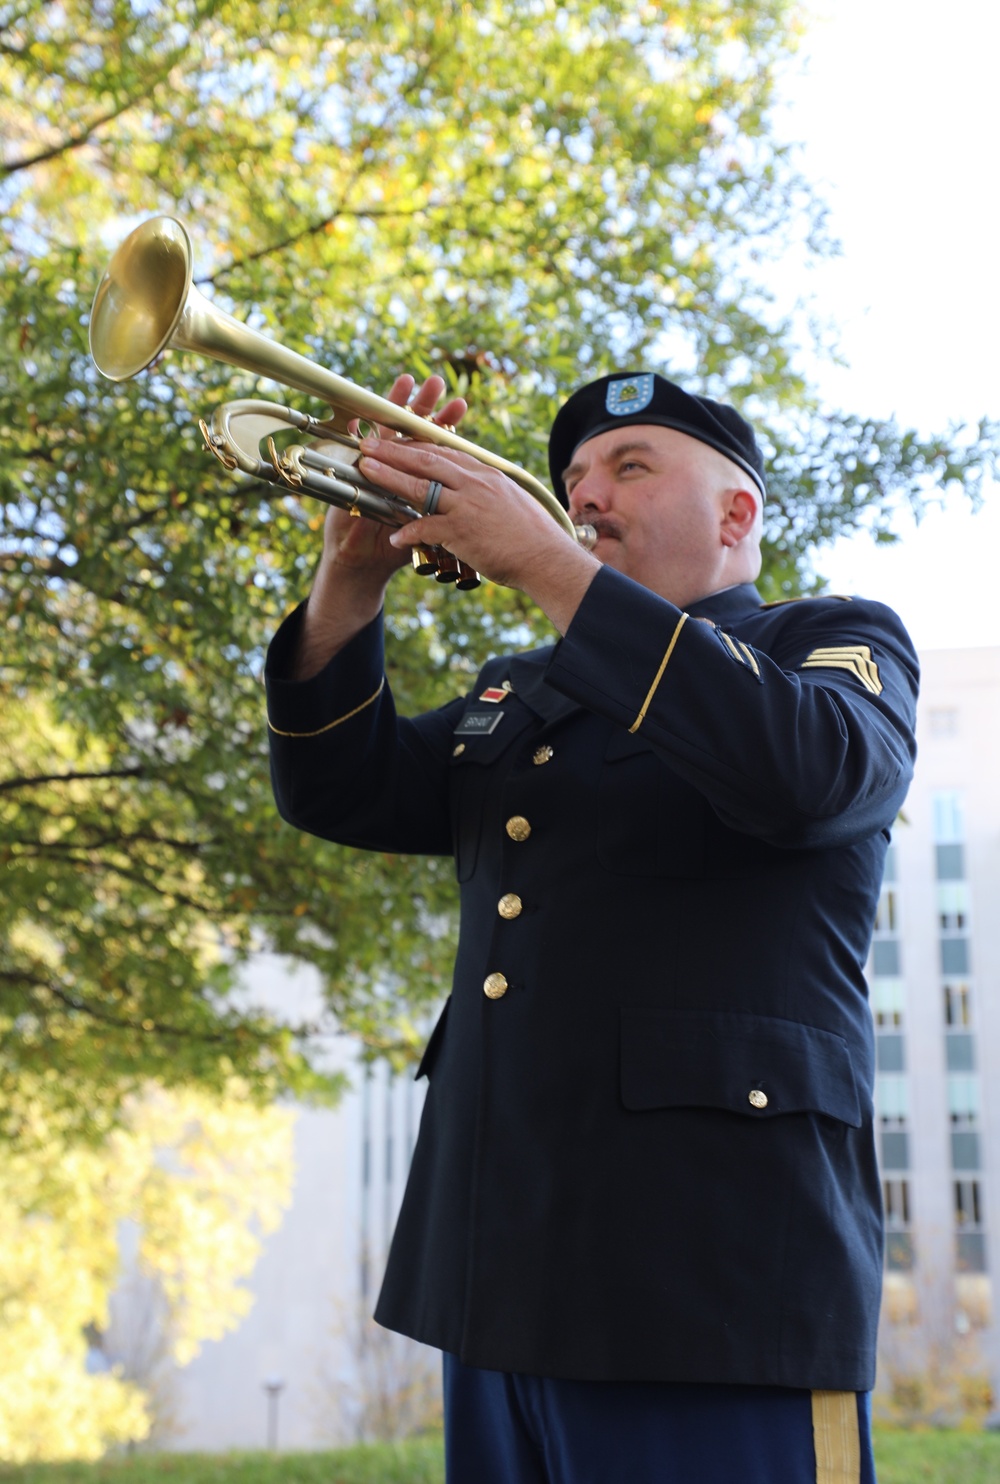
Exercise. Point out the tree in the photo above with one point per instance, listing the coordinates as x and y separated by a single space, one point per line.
198 1179
518 196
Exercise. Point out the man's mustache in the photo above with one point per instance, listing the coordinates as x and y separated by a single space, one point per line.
604 525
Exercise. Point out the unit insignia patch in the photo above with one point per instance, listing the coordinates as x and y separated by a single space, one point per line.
854 657
629 394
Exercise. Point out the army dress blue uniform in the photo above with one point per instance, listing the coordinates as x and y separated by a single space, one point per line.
647 1149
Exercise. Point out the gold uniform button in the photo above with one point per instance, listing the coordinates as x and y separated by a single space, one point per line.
541 755
518 827
758 1099
458 749
510 905
494 986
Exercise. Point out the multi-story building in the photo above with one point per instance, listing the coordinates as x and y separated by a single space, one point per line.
935 990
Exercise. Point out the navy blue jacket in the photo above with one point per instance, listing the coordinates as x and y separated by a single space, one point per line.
647 1153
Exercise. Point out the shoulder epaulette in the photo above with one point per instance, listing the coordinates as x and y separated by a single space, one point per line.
808 598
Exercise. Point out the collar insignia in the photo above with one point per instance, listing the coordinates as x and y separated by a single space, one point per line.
495 693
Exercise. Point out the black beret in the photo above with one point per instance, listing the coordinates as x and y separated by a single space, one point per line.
645 397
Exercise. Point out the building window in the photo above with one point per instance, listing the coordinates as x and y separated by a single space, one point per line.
949 817
950 862
963 1097
889 1053
885 958
964 1149
887 1002
898 1239
954 955
896 1149
960 1051
970 1252
893 1098
896 1199
887 912
968 1204
953 906
957 1004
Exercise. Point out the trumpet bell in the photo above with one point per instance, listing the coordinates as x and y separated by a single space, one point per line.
146 302
141 298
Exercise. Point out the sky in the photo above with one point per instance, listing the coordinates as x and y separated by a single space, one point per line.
894 105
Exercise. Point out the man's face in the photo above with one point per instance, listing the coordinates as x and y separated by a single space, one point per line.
657 498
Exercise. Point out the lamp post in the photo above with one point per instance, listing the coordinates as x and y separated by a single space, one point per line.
274 1386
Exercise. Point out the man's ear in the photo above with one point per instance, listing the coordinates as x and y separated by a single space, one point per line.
738 516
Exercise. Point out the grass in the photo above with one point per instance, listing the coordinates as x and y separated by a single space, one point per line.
418 1461
902 1458
937 1457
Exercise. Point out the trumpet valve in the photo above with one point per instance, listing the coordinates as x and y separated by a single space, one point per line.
424 560
448 567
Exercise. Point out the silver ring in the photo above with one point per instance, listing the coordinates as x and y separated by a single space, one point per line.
433 496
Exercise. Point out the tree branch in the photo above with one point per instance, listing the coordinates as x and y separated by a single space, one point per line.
39 779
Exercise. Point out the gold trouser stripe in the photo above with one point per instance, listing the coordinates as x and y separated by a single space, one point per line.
659 674
331 724
835 1435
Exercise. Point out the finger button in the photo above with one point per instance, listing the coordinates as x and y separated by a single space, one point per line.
518 827
510 905
495 986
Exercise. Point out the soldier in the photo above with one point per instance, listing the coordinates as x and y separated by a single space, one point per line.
643 1218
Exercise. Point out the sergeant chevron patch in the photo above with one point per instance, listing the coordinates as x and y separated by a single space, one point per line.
741 653
854 657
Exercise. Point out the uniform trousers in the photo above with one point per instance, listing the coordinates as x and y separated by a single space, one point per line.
503 1428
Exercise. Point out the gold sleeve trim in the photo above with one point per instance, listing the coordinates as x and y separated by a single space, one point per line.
836 1437
659 674
331 724
854 657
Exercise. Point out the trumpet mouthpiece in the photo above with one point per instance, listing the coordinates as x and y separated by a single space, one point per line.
586 536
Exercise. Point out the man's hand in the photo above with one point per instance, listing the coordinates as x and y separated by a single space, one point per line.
360 548
485 519
358 560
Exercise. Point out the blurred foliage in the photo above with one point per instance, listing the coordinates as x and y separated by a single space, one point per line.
520 197
198 1178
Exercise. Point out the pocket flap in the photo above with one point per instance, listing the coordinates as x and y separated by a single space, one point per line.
484 747
757 1065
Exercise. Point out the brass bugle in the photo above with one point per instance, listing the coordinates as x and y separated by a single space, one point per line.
146 303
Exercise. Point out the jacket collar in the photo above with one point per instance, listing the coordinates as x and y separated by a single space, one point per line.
730 604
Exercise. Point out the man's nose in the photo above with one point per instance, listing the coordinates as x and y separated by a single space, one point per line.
591 493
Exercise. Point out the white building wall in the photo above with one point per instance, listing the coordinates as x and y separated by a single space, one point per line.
958 737
303 1328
